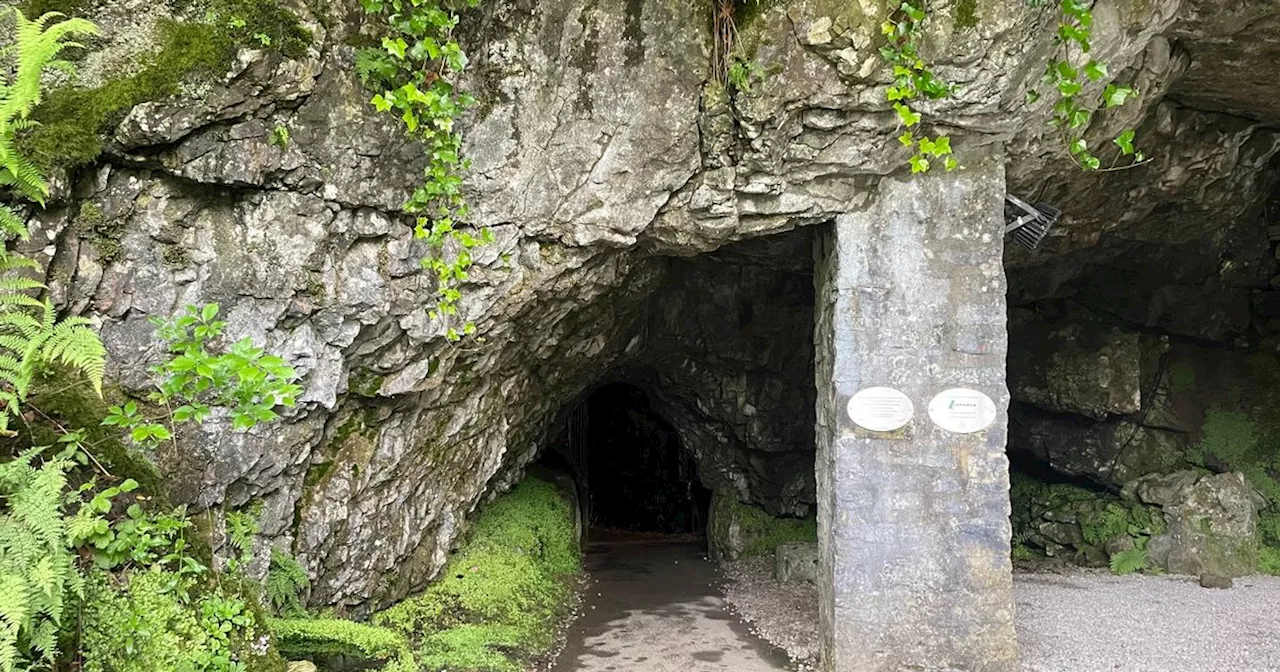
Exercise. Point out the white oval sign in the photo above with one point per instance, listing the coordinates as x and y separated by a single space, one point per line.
962 410
881 409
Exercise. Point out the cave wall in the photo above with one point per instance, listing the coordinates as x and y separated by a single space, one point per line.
599 142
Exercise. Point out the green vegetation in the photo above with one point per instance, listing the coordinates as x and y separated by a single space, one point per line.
966 14
415 71
913 80
287 585
761 533
1129 561
243 379
327 636
1066 78
1043 511
74 120
1235 438
494 608
1249 442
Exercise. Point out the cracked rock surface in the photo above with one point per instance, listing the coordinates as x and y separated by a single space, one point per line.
601 160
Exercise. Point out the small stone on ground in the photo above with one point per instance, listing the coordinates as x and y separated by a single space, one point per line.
1075 621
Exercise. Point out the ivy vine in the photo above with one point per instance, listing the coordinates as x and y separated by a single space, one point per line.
1067 75
416 68
913 81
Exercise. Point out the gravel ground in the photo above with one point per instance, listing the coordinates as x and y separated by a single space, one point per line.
785 615
1075 621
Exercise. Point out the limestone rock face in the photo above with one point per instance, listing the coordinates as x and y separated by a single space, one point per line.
1212 523
602 153
1077 367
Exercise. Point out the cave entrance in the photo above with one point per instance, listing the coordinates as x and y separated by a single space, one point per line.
642 478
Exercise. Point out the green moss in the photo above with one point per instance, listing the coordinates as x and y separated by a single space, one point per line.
1182 377
62 400
1234 438
1100 516
365 383
761 533
176 256
91 225
36 8
262 23
73 119
966 14
301 638
501 596
494 608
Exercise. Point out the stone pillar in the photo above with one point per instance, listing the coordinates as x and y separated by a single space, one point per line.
914 568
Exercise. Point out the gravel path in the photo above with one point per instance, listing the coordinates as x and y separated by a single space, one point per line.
1078 621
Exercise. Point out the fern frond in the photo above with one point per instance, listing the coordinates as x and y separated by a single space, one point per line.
11 225
76 345
1129 561
22 323
18 283
10 262
35 48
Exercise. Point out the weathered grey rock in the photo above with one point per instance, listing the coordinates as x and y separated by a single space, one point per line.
1075 366
301 666
590 155
1208 580
796 562
914 566
1112 452
1212 521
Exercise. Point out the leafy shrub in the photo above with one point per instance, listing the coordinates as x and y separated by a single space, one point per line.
155 620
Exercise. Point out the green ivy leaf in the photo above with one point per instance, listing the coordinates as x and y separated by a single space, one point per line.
919 164
1095 70
1125 142
906 115
1115 96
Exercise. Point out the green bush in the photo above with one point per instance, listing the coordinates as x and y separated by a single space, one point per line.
157 620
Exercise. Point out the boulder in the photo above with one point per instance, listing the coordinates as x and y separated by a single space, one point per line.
796 561
1212 523
736 529
1076 366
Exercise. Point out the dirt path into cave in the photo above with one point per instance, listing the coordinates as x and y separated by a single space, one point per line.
655 607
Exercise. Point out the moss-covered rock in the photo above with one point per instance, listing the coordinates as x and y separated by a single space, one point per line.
59 401
1078 524
736 530
1212 523
495 607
